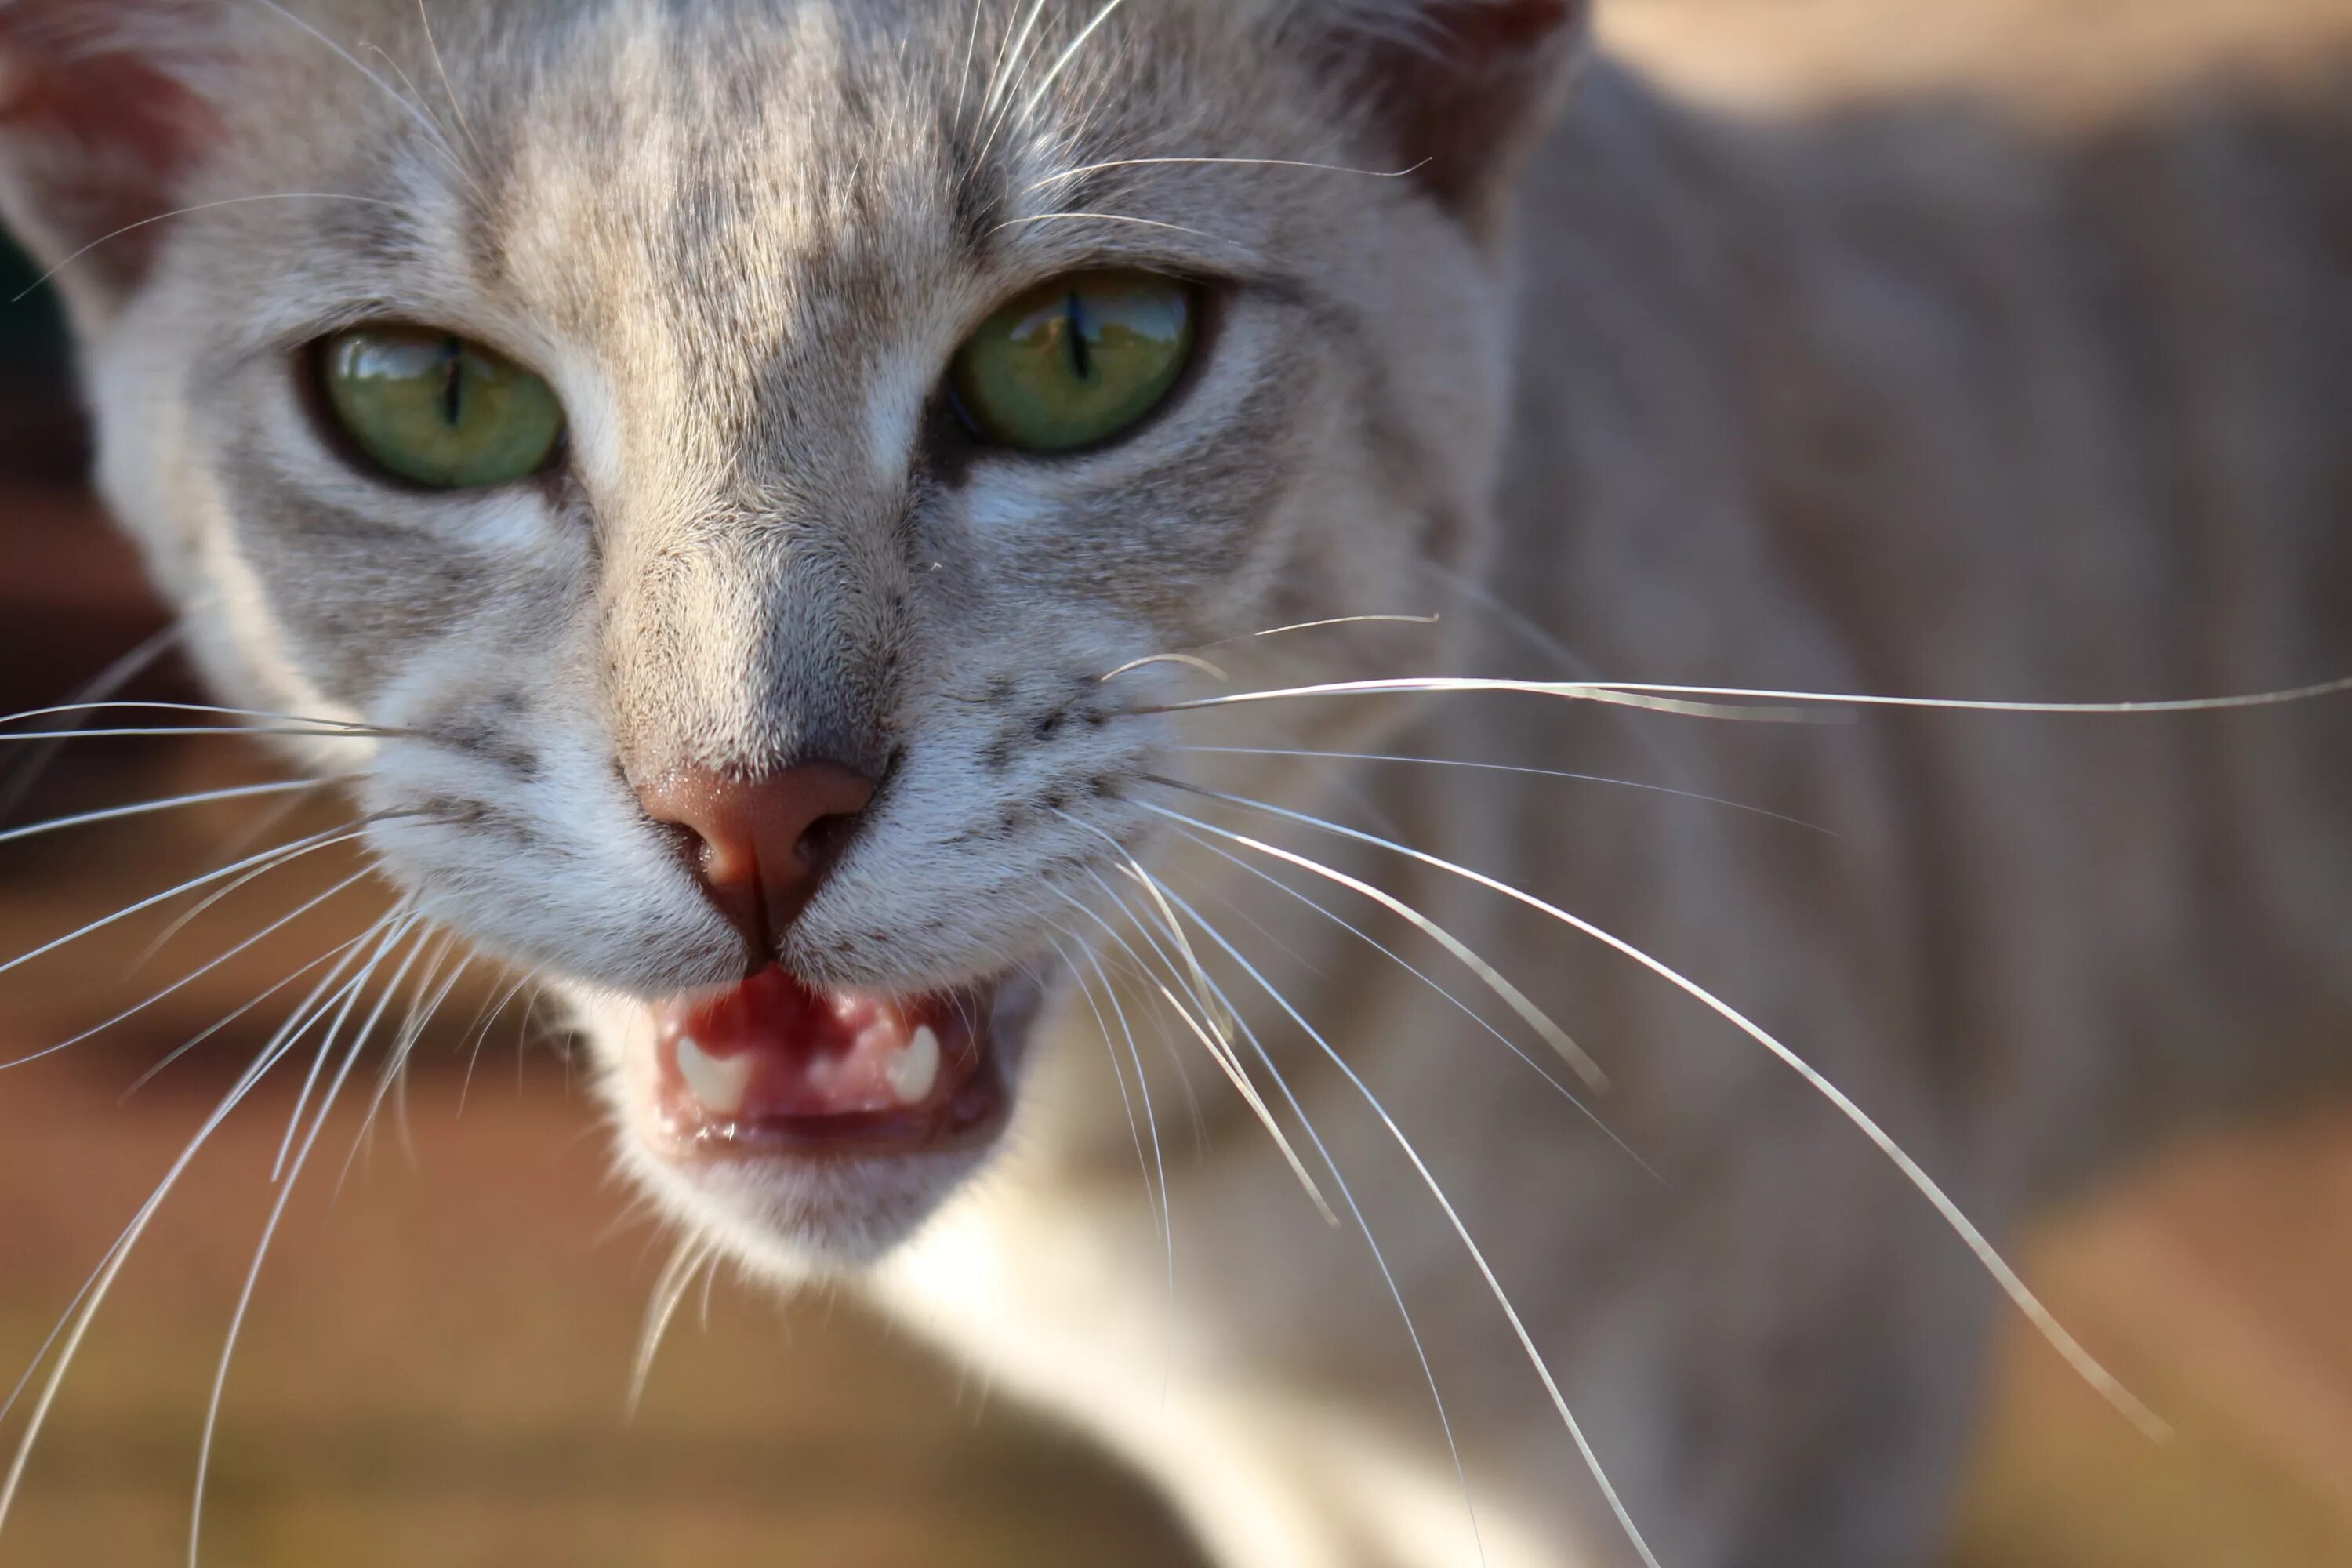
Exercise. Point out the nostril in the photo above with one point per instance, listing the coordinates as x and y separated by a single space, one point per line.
762 845
826 837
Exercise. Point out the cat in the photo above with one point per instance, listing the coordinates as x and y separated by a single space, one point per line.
809 523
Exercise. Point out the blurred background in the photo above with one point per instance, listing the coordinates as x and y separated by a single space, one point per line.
436 1363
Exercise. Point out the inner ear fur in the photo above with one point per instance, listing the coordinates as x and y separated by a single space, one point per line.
101 120
1464 88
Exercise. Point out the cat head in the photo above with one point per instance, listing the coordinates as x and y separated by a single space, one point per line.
724 451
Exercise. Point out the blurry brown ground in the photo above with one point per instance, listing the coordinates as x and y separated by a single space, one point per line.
436 1364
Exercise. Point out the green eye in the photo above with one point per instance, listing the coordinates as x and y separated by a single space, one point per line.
1076 362
431 408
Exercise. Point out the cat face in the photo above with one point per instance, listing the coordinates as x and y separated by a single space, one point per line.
734 250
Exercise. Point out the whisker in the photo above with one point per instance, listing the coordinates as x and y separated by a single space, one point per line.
340 726
188 211
449 88
83 1310
1464 1008
1148 660
1027 219
1581 692
391 939
190 978
1158 1158
1495 1285
1679 699
97 688
1363 1226
1045 83
342 950
1577 1057
416 112
1513 768
1119 1073
1085 169
669 1289
2085 1366
300 848
270 1230
1220 1051
421 1012
970 55
198 909
149 808
166 732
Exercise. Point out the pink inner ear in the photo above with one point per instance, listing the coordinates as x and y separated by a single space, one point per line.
1465 94
99 135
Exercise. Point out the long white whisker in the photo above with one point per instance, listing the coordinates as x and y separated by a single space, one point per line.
1117 217
1045 83
449 88
69 709
1219 1050
1008 58
1159 1157
1513 768
1495 1285
412 1029
2011 1284
344 949
287 851
97 688
1396 1293
399 934
1674 698
92 1295
1085 169
971 54
1118 1074
1464 1008
188 211
1574 690
669 1289
1574 1055
413 110
269 1232
150 807
129 1013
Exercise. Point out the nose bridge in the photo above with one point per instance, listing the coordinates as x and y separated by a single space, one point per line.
746 643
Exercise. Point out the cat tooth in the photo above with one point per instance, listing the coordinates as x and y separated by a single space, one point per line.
718 1087
915 1071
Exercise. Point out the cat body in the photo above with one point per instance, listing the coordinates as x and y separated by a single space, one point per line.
1904 401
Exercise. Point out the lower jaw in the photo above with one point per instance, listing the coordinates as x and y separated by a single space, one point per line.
972 1119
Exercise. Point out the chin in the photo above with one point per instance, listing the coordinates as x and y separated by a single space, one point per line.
806 1131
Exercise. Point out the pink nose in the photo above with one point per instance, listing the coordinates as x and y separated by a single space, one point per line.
762 845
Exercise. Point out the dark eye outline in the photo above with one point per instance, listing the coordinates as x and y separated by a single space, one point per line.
1208 299
312 368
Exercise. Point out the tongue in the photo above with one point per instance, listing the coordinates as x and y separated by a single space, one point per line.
771 1050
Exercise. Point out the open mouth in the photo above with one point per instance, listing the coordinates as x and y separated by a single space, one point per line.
774 1067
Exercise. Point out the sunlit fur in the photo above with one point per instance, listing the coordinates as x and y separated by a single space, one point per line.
1900 402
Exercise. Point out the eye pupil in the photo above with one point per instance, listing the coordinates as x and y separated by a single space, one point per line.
1075 362
453 382
431 408
1081 351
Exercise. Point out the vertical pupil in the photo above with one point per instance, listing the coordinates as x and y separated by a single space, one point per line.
1082 358
453 382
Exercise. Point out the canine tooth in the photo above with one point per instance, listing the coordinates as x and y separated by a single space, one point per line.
719 1087
915 1071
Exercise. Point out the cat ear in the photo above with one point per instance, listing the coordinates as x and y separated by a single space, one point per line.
1463 88
101 121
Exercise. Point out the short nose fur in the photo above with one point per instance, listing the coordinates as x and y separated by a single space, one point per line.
761 847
